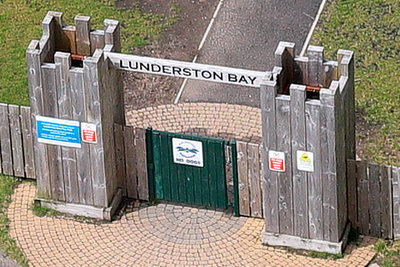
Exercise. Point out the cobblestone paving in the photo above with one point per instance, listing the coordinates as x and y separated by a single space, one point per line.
161 235
202 119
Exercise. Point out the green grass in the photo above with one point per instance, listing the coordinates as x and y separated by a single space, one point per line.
388 253
7 185
371 28
20 22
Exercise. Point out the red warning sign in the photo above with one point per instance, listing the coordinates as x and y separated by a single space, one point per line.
89 134
276 161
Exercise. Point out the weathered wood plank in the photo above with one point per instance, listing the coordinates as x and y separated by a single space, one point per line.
374 200
268 92
68 39
141 164
254 180
82 25
36 102
96 40
27 140
112 34
244 194
120 156
315 181
92 72
130 162
16 141
63 85
329 73
50 109
386 202
315 69
298 136
5 140
83 160
395 172
352 191
329 99
362 191
301 70
285 180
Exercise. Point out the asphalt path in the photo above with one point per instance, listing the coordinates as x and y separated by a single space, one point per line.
245 35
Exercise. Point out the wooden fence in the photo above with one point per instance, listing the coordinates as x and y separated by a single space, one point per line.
16 141
249 179
373 190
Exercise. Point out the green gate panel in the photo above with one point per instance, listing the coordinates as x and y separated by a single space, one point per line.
204 186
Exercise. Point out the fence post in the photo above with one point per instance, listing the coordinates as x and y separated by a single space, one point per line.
235 179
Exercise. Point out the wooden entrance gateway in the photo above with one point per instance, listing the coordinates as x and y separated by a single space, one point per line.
308 136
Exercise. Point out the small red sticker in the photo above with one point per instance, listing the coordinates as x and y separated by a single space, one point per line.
276 161
89 133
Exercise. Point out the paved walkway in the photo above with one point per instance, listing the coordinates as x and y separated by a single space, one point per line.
162 235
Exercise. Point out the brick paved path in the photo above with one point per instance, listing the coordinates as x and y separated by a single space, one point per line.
162 235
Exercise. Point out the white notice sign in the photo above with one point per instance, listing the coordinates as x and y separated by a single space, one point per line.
305 161
187 152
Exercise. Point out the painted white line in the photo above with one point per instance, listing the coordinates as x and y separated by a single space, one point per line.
314 25
203 40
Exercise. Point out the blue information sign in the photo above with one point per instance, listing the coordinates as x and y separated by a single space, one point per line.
58 132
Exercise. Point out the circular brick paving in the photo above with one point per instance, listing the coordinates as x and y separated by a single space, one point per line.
227 121
161 235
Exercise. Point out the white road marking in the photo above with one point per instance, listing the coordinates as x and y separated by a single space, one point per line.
203 40
314 25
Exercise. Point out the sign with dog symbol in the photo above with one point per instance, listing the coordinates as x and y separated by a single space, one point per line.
187 152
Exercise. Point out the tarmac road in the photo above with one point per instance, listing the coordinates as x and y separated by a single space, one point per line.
245 35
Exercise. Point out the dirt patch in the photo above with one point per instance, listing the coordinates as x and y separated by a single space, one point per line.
179 42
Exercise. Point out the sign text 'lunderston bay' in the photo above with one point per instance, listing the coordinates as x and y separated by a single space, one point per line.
187 70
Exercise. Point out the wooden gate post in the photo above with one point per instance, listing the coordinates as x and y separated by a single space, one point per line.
308 134
76 97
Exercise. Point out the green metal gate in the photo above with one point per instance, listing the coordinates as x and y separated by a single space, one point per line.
187 169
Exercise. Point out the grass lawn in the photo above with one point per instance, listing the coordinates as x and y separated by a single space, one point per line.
7 185
371 28
20 22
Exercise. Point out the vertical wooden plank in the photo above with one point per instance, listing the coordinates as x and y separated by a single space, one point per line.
27 141
298 136
362 191
301 70
93 71
283 136
130 162
141 164
374 200
96 40
206 191
212 173
120 156
315 68
50 109
69 39
315 181
83 161
36 102
82 24
396 201
16 141
112 34
244 193
221 183
352 191
5 140
385 202
268 92
157 165
173 172
254 180
63 85
329 99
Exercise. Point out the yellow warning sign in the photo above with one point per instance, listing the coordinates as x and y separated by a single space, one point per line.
305 157
305 161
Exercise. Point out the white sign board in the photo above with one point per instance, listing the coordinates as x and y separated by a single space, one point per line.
187 70
187 152
59 132
89 133
305 161
276 161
